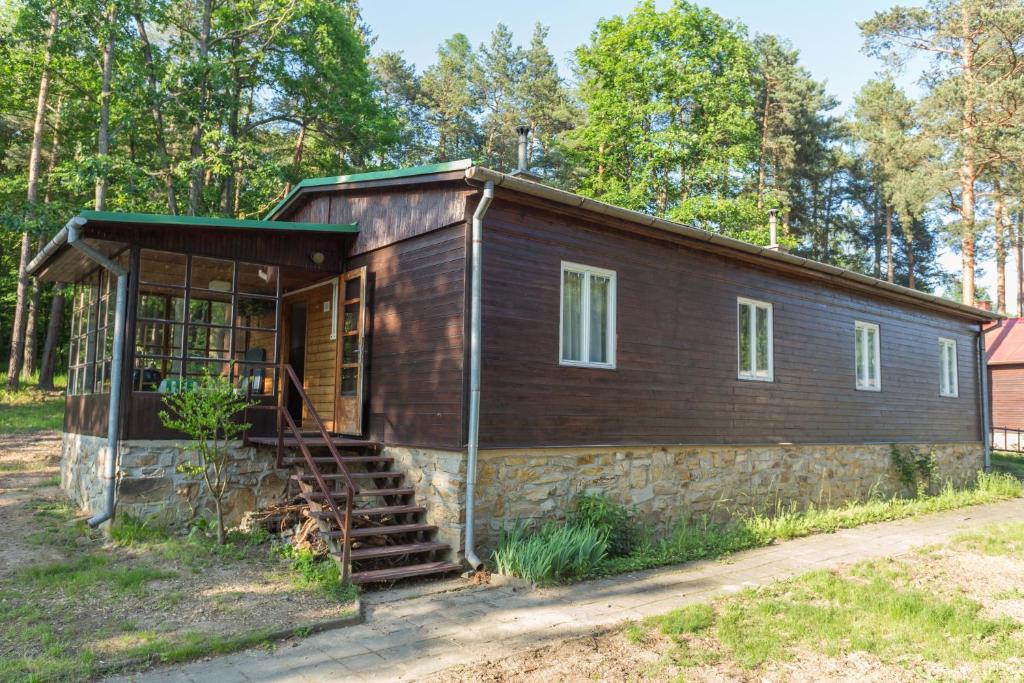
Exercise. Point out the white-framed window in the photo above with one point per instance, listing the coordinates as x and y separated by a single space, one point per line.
948 385
754 346
588 316
869 357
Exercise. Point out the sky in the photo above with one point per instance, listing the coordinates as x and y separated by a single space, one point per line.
825 32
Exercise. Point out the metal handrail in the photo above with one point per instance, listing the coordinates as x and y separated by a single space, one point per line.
1006 433
288 377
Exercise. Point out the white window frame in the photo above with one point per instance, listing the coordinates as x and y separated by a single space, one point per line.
947 345
752 374
871 383
588 271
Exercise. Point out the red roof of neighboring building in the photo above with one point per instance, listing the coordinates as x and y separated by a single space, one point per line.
1004 344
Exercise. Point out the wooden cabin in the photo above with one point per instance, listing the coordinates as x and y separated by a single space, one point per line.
677 371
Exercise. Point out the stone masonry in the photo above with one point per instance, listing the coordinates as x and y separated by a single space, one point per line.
439 480
149 484
669 483
664 483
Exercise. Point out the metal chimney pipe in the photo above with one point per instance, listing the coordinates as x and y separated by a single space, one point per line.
773 228
523 131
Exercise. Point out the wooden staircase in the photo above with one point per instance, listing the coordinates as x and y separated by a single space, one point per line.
365 512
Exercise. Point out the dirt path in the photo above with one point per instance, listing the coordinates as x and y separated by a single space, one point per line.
28 474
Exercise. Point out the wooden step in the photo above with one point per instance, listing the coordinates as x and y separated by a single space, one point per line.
355 475
372 511
363 493
316 441
395 573
325 460
372 552
389 530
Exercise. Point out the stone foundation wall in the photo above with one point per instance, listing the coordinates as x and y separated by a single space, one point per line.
439 479
669 483
149 484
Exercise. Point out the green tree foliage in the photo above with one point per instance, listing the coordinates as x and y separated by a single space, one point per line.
670 126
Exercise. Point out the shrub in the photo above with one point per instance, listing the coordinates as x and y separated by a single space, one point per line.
914 468
624 530
558 551
206 413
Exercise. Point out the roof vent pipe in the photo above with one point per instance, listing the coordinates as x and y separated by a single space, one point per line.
773 229
523 132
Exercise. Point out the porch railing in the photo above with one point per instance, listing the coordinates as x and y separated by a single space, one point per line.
1008 439
291 382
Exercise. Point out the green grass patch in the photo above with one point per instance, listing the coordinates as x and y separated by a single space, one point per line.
875 607
1011 463
316 572
87 571
1006 539
30 410
557 551
702 539
873 610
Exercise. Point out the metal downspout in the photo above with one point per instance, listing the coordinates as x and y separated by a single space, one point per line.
473 441
986 404
116 361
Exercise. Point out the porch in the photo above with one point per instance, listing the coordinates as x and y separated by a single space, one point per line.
160 301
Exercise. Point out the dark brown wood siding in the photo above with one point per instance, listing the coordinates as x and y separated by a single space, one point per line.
87 414
675 380
415 339
387 216
1007 392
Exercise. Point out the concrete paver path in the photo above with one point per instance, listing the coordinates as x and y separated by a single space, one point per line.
410 639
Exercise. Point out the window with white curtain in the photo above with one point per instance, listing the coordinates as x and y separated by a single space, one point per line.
948 385
754 340
869 359
588 316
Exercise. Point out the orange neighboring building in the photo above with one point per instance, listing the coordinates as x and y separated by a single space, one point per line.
1004 346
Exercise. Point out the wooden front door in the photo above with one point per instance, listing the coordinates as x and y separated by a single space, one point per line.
348 406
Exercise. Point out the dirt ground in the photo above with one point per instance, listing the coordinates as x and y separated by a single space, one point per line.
996 582
133 596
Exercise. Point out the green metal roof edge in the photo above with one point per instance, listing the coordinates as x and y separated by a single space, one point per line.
215 222
392 174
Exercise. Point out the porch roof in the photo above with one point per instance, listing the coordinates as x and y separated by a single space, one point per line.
59 247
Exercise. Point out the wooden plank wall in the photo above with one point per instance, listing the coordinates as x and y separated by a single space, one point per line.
388 216
1007 394
416 324
676 376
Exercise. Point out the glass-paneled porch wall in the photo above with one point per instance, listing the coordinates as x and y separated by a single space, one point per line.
196 313
190 313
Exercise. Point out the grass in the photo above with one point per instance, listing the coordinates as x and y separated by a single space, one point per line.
42 639
702 539
555 552
30 410
875 607
534 556
1009 462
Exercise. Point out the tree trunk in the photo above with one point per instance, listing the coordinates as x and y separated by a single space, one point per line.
890 261
220 520
1019 242
20 315
22 296
909 234
158 117
997 214
53 330
968 171
762 157
195 189
103 146
28 365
